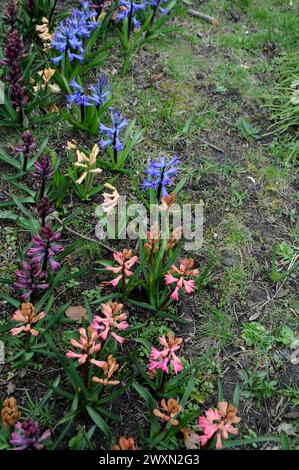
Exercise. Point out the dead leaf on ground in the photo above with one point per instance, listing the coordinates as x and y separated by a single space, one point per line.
76 312
190 438
10 388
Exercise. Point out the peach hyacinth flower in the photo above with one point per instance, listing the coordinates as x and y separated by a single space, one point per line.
110 199
44 33
88 345
125 444
182 281
168 203
153 239
26 315
161 359
175 236
114 319
171 410
46 75
220 422
109 368
88 164
125 261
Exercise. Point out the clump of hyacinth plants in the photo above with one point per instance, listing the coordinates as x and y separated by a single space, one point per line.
91 363
87 106
74 40
138 23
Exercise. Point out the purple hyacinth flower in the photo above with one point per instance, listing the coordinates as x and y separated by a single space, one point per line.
28 145
112 133
131 8
43 168
72 32
11 15
100 92
26 435
156 4
78 97
160 175
44 208
45 248
30 278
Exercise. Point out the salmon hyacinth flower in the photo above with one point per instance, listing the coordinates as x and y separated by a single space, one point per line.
170 410
88 345
183 272
28 317
109 368
161 359
153 238
125 444
220 422
114 319
125 261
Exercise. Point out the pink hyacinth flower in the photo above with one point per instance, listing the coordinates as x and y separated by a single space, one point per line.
220 422
125 261
162 359
114 319
184 271
88 344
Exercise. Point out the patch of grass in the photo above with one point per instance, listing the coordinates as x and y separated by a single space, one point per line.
217 327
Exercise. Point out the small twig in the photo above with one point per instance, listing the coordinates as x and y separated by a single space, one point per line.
209 144
203 16
85 237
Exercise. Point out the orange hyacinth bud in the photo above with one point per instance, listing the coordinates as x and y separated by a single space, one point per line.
10 413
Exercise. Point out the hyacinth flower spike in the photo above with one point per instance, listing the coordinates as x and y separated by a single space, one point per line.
88 165
156 4
43 172
10 413
109 368
169 412
100 93
128 10
125 261
114 320
88 345
167 356
28 317
125 444
181 278
26 436
27 147
219 422
44 208
11 15
112 134
160 175
46 248
30 279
